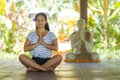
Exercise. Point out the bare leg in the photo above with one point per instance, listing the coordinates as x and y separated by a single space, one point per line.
29 63
53 62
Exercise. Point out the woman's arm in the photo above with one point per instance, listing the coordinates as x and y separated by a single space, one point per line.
53 46
28 46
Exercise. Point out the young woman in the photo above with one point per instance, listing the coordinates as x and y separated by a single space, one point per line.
41 43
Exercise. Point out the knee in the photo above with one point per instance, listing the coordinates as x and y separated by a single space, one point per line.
21 56
59 57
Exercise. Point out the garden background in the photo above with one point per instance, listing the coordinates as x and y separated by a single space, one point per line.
16 21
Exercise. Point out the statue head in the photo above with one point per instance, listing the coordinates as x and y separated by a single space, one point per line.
81 25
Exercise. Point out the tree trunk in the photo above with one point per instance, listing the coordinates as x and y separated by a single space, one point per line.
83 9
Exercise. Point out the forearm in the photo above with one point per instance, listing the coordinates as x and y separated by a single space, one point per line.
30 47
50 46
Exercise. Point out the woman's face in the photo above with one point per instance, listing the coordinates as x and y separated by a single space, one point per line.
41 21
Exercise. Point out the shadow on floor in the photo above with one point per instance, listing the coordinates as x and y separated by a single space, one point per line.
40 75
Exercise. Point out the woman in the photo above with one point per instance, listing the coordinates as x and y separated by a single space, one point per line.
41 43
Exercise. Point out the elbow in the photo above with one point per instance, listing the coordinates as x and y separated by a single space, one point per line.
56 49
25 50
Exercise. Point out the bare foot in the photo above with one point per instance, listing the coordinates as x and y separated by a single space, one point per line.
49 68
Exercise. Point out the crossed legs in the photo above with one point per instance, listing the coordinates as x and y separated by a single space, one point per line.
31 65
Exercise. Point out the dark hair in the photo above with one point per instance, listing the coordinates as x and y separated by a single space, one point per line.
46 25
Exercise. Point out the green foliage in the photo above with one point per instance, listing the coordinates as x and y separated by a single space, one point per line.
7 37
108 54
96 24
19 3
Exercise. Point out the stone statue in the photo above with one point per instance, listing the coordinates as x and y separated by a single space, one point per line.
81 43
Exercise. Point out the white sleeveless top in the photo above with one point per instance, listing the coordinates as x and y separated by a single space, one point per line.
41 51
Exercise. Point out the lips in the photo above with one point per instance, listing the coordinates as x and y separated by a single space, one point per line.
40 24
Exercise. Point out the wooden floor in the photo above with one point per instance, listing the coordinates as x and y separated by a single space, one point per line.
105 70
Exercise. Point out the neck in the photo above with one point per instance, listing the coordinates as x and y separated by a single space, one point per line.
41 29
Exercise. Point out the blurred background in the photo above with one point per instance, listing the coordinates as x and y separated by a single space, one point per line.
16 21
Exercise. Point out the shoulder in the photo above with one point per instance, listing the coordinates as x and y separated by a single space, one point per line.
31 34
51 33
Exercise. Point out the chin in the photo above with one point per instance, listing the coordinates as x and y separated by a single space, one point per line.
40 27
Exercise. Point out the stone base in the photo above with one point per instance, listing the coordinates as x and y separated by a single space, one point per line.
83 57
84 60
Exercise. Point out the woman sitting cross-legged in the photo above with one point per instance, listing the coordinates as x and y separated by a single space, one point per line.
41 43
